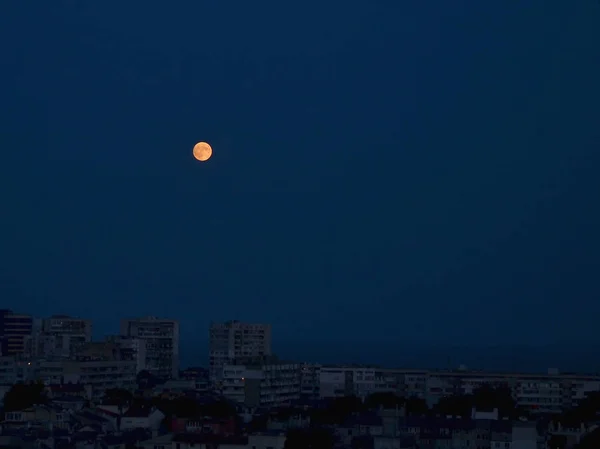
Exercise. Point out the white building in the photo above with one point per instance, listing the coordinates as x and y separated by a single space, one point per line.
262 383
361 381
59 336
310 381
161 338
549 393
524 436
233 339
97 364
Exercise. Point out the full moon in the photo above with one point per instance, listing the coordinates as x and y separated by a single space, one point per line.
202 151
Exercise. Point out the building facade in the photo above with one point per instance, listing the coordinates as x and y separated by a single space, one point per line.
265 382
99 365
161 337
14 331
542 393
234 339
59 336
132 348
310 381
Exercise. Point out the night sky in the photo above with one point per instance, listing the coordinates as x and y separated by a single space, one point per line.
418 172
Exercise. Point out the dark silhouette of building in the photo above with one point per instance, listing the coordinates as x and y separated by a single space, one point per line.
14 329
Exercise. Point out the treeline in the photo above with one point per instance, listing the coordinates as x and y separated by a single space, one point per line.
335 411
180 407
24 395
486 398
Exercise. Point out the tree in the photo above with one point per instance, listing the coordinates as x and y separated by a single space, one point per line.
557 442
589 407
346 405
500 397
590 441
22 396
309 439
218 409
181 407
117 396
484 398
385 400
416 406
456 405
146 380
259 423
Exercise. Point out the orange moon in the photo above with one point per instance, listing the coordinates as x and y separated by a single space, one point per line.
202 151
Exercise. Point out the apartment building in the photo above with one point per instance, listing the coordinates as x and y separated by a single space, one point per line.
161 337
433 433
234 339
261 382
8 370
99 365
14 330
310 384
363 381
132 348
59 336
542 393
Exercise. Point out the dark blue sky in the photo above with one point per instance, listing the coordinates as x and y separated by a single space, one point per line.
425 172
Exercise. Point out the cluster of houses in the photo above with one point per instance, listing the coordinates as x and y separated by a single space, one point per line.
69 420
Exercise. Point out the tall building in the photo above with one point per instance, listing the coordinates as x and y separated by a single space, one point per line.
14 331
3 314
232 340
161 338
59 336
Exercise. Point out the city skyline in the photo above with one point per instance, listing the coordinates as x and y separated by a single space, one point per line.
338 225
566 357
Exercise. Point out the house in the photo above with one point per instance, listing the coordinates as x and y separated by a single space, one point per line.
571 435
206 424
111 413
77 390
386 442
367 424
20 417
383 442
13 442
121 440
85 438
284 419
500 434
158 442
72 403
354 426
216 426
142 417
266 440
39 416
207 441
96 421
